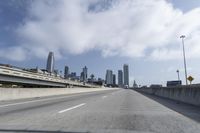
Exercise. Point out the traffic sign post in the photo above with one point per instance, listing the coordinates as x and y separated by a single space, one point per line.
190 78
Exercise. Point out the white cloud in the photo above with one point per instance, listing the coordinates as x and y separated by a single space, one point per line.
13 53
130 28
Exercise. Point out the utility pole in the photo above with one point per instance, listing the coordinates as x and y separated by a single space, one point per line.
182 37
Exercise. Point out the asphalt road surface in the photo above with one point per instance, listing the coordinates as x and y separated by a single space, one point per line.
115 111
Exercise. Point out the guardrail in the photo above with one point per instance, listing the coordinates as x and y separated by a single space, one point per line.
187 93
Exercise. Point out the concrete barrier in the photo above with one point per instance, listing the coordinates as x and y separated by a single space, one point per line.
188 94
19 93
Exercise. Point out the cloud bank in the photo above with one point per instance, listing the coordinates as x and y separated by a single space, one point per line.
127 28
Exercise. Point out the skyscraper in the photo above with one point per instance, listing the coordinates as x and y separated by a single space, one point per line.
50 63
81 76
109 77
66 72
114 79
85 74
73 75
126 75
120 78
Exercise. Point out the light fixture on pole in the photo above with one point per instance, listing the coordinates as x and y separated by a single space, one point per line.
178 75
182 37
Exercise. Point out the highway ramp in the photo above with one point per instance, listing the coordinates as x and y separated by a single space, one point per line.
114 111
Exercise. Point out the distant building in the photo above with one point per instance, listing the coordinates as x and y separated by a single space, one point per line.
50 63
120 78
114 79
96 82
101 80
66 72
126 75
85 74
92 77
81 76
109 77
73 75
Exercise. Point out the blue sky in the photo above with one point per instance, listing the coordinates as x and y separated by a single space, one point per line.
103 34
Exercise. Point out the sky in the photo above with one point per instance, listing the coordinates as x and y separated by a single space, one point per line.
103 34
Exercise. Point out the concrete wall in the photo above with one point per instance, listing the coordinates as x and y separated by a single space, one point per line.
19 93
187 94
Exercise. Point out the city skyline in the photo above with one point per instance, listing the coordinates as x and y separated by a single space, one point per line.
27 36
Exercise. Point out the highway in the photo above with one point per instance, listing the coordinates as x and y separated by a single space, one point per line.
121 110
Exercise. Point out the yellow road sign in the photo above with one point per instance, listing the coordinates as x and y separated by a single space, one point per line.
190 78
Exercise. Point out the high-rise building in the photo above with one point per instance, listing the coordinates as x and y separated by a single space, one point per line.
50 63
56 72
120 78
109 77
126 75
66 72
85 74
73 75
81 76
114 79
92 77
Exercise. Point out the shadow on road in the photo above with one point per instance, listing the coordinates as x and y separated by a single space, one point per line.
35 131
190 111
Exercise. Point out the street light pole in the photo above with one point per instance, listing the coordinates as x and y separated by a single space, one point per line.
182 37
178 75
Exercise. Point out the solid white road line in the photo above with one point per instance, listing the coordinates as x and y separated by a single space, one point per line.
77 106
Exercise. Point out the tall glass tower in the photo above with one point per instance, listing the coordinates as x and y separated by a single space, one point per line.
114 79
66 74
50 62
85 74
126 75
109 77
120 78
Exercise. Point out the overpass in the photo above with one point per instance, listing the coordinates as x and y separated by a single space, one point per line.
11 75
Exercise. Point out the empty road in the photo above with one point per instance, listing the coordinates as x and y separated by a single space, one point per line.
115 111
